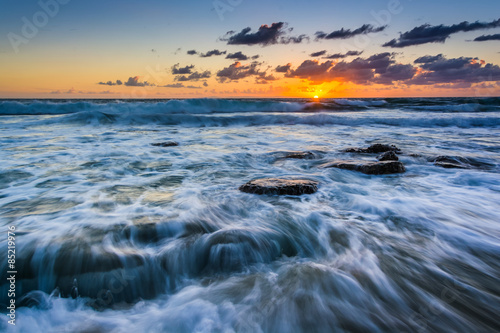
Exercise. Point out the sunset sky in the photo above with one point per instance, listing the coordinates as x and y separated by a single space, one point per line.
243 48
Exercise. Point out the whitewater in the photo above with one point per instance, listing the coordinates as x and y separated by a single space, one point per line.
117 234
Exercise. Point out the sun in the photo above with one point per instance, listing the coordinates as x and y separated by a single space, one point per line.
316 97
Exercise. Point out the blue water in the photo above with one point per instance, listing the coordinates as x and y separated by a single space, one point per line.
160 239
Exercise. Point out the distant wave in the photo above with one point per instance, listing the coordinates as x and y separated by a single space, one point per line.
209 106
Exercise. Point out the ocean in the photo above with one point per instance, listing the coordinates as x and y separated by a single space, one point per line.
114 232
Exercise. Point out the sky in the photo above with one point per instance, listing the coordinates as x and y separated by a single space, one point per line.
249 49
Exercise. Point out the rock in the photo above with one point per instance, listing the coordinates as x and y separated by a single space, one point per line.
165 144
299 155
280 186
459 162
370 168
374 149
388 156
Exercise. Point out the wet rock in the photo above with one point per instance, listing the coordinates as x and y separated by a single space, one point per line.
374 149
370 168
388 156
165 144
280 186
459 162
299 155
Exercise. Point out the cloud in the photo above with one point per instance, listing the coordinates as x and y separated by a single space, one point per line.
194 76
134 82
440 70
378 68
182 70
212 53
266 35
111 83
237 71
283 69
192 52
438 33
205 84
348 33
487 37
179 85
238 56
318 54
343 55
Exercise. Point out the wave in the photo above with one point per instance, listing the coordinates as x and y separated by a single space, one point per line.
209 106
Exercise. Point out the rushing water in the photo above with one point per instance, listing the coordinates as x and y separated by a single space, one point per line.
159 239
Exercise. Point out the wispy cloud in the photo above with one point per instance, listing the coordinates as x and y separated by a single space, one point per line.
237 71
212 53
487 37
277 33
343 55
437 33
318 54
348 33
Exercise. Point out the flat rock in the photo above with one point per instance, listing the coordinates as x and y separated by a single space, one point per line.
280 186
374 149
388 156
165 144
370 168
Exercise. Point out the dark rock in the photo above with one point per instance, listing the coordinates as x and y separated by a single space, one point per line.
280 186
459 162
374 149
370 168
165 144
388 156
299 155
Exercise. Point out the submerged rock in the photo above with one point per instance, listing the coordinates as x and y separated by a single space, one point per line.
280 186
374 149
388 156
459 162
370 168
165 144
299 155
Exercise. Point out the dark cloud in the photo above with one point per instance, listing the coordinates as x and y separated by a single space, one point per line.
487 37
205 84
438 33
465 70
237 71
277 33
212 53
283 69
238 56
318 54
194 76
379 68
134 82
348 33
192 52
343 55
182 70
111 83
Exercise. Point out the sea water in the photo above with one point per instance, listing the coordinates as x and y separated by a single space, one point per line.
113 234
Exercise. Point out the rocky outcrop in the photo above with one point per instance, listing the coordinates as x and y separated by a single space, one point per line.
370 168
165 144
388 156
374 149
280 186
